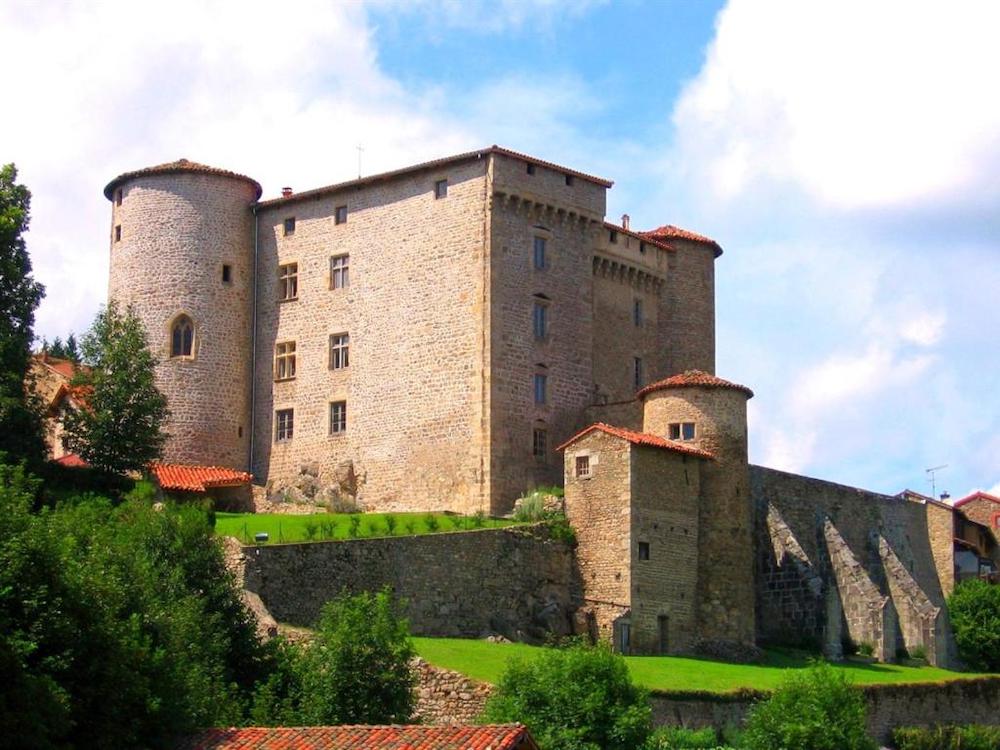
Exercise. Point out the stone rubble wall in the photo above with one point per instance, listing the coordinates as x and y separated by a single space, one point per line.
446 697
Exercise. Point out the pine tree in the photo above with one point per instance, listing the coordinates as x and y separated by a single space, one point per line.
118 427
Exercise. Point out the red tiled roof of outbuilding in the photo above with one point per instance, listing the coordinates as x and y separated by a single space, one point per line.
348 737
187 478
639 438
670 232
692 378
178 167
71 460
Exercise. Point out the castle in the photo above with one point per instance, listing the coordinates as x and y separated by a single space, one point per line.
433 337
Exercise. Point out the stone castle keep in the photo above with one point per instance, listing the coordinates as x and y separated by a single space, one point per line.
433 338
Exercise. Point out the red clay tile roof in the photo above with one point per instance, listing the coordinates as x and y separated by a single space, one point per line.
434 163
639 438
63 367
71 460
669 231
414 737
178 167
642 237
692 378
187 478
78 394
976 496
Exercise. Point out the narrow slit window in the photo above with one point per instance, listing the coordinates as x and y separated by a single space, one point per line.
637 372
637 311
540 320
118 232
227 273
539 443
541 388
541 259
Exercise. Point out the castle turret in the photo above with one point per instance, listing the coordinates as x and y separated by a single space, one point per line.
182 257
711 415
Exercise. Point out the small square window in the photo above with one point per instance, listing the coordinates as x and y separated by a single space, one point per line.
288 281
340 271
284 424
118 232
441 188
289 225
338 417
531 168
637 311
583 466
540 258
340 215
227 273
118 197
540 320
339 350
284 360
540 443
541 388
569 180
613 236
643 550
681 431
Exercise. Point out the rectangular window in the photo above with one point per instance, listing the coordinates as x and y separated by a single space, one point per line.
613 236
284 360
642 248
540 320
288 281
540 443
118 197
340 272
284 424
338 417
540 259
531 168
340 215
643 550
441 189
637 372
681 431
339 351
289 225
118 232
569 180
541 388
637 311
583 466
227 273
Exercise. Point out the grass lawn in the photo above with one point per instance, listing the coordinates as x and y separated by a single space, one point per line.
282 527
485 661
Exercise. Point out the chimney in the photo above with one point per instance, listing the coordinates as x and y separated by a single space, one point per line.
945 496
624 221
285 192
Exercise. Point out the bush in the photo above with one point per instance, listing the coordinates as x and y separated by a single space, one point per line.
531 508
974 609
816 709
680 738
357 671
574 698
431 522
970 737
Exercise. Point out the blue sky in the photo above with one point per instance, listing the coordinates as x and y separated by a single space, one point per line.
846 155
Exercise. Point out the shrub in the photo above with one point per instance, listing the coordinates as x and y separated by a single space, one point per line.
815 709
390 525
456 521
353 527
680 738
575 698
431 522
478 519
866 649
311 528
530 508
560 529
329 528
969 737
411 526
974 608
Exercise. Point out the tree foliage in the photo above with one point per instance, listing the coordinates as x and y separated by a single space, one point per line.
574 698
356 671
70 349
974 609
814 709
119 627
20 416
119 429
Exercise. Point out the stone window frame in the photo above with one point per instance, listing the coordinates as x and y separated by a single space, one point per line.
284 425
339 353
540 387
582 468
227 273
683 431
338 417
540 443
340 214
539 252
637 312
540 317
289 226
642 551
284 360
288 281
340 271
441 188
192 340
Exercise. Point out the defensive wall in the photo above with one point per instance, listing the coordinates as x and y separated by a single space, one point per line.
514 582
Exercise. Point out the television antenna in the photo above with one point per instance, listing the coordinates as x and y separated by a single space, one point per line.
931 473
360 148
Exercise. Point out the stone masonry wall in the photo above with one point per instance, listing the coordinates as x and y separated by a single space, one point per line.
514 582
688 309
414 311
177 231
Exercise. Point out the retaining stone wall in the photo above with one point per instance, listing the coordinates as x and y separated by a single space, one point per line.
515 582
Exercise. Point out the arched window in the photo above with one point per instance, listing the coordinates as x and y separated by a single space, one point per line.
182 337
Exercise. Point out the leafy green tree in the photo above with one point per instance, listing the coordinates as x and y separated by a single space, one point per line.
71 349
974 610
575 698
20 413
356 671
119 429
813 709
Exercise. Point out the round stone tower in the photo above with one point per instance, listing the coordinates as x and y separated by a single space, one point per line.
182 257
710 413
